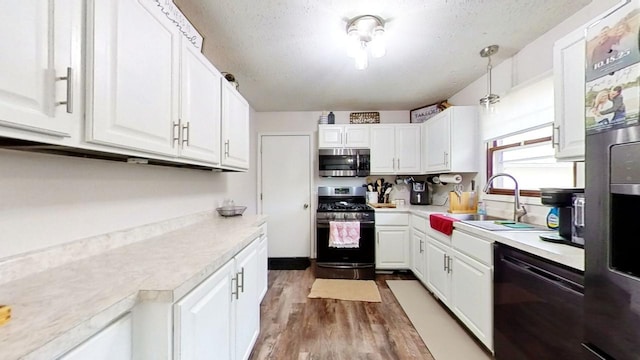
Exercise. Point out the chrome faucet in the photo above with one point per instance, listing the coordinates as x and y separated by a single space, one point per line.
518 210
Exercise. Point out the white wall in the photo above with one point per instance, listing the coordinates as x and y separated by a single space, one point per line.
46 200
532 63
307 121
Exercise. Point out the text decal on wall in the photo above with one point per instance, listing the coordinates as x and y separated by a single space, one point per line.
171 11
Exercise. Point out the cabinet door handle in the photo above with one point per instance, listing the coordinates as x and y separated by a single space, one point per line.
449 269
226 148
398 163
446 158
234 280
421 250
186 134
241 273
393 163
175 133
69 80
554 138
444 262
346 138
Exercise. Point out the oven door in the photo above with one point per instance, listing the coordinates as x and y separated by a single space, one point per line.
338 162
364 254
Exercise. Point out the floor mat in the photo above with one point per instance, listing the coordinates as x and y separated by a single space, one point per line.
444 337
352 290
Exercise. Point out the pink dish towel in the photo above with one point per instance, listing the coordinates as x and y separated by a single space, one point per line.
344 234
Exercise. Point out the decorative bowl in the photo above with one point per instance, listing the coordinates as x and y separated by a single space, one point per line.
227 211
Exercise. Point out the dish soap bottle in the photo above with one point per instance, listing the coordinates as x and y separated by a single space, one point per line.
482 209
332 118
553 221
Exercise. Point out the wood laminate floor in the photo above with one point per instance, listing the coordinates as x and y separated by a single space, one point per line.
295 327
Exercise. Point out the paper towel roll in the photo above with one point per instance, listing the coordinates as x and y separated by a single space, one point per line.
451 178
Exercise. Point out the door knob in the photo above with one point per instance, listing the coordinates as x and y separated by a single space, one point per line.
306 206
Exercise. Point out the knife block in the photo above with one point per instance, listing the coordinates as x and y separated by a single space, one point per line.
467 203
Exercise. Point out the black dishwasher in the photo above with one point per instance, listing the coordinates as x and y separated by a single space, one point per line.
538 307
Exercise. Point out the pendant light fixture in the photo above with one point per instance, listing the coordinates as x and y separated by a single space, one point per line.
489 99
365 32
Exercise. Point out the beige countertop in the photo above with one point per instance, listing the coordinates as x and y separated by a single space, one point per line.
56 309
527 240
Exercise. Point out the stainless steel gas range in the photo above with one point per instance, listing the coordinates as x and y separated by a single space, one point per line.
345 234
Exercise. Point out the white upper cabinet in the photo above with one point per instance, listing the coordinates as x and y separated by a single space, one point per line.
41 46
339 136
569 88
199 107
452 140
235 128
383 149
395 149
438 143
132 77
407 149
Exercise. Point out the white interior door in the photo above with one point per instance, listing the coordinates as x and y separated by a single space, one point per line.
286 193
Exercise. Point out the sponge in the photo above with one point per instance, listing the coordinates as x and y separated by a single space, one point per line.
5 314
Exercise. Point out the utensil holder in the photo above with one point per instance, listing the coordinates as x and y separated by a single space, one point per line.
372 197
467 203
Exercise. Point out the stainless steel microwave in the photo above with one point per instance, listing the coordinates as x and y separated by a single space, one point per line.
343 162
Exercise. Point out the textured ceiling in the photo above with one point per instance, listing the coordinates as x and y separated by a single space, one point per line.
290 55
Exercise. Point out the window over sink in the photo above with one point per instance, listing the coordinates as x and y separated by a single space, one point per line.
529 157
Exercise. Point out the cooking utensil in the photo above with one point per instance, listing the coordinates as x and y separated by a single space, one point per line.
458 190
370 187
386 194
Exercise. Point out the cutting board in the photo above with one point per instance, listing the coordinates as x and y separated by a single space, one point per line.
382 205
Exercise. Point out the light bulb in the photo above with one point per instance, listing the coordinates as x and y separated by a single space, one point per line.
362 62
353 42
378 42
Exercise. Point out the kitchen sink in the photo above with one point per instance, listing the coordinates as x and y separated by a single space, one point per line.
474 217
491 225
488 222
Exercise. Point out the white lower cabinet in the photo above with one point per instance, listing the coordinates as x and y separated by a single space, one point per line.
438 273
203 318
419 247
418 254
472 296
392 247
246 305
392 241
459 271
263 263
220 319
111 343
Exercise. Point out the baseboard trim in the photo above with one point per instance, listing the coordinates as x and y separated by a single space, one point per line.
291 263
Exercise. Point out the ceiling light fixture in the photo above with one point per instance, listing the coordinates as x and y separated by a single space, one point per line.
489 99
365 31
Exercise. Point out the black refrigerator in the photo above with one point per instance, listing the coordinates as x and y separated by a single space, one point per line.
612 188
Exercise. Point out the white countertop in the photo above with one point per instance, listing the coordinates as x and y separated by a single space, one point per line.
56 309
423 210
526 240
529 241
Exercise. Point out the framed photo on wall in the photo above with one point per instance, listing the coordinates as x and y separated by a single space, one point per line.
420 115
